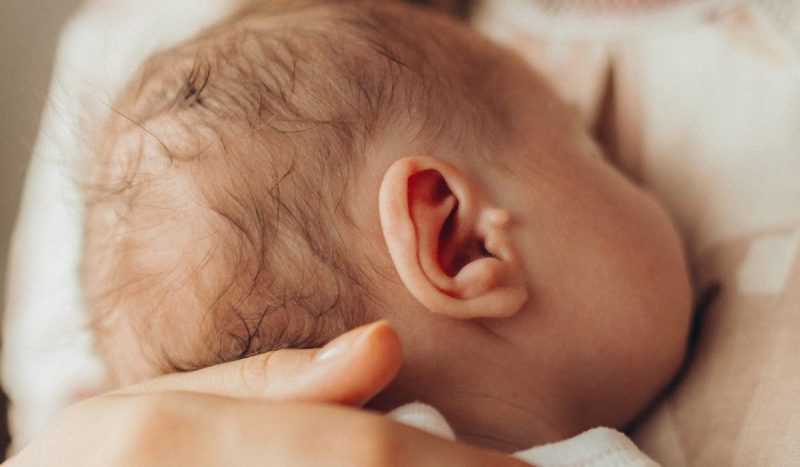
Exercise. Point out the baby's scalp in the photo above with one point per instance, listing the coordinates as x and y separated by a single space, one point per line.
218 223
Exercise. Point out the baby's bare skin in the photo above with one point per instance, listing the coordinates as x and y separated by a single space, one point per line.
536 291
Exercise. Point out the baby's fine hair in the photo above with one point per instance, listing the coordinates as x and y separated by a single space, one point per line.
221 185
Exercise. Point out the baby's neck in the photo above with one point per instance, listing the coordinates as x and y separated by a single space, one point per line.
482 410
489 421
507 427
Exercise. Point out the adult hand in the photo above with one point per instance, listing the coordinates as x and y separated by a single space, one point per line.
229 414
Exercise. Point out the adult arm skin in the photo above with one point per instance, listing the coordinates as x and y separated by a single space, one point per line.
288 407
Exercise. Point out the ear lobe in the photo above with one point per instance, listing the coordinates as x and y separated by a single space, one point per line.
450 248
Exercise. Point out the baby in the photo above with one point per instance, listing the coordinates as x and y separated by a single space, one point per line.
306 167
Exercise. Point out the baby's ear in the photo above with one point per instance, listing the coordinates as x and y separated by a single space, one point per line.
450 246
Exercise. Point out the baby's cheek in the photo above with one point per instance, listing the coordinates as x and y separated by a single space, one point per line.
638 266
659 292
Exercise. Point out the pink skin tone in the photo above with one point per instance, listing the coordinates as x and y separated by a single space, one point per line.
536 293
535 298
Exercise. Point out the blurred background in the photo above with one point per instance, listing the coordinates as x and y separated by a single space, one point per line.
28 33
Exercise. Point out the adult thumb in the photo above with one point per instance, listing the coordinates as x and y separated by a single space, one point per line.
350 370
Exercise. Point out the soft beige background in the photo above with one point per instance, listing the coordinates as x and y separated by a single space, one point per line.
28 33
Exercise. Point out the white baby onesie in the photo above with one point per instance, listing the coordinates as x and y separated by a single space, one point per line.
598 447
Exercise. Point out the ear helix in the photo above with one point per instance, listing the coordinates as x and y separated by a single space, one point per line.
488 282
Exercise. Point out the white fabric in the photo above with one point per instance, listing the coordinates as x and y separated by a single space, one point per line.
598 447
424 417
598 20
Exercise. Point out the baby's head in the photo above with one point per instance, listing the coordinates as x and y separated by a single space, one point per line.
299 170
